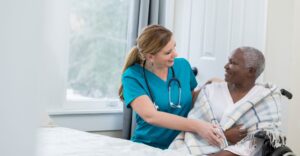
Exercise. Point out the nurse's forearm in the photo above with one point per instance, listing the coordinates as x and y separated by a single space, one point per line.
145 108
199 127
175 122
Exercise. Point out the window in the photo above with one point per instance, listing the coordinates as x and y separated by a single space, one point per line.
98 33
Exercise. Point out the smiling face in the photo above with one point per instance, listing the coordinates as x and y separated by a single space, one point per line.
236 71
165 57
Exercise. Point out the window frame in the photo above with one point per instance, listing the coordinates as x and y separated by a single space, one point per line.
105 105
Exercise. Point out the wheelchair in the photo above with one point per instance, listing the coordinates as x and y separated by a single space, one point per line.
267 148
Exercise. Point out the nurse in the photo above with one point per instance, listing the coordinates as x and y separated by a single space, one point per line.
159 88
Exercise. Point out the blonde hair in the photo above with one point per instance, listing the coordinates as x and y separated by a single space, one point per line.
152 39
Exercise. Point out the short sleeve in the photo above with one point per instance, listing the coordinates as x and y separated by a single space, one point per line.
193 80
131 89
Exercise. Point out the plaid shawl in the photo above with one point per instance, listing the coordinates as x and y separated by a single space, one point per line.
259 113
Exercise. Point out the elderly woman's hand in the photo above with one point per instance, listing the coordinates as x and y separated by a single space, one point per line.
235 134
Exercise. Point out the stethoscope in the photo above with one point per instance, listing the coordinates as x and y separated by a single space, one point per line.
173 79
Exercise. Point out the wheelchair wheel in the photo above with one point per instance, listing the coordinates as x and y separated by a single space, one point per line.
283 151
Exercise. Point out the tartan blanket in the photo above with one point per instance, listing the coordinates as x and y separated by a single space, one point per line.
261 112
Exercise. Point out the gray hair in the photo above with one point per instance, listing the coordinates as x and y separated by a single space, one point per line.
254 58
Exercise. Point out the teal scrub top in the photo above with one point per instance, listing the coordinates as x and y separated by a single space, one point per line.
134 85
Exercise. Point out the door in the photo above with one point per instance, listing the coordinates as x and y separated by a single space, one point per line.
207 31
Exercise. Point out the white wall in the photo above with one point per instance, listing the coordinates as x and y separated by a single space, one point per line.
294 108
21 56
282 56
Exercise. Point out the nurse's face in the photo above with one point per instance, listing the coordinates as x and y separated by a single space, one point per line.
165 57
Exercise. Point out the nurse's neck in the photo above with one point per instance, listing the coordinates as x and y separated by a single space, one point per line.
161 72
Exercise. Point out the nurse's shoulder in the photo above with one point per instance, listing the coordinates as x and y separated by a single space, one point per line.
135 71
181 63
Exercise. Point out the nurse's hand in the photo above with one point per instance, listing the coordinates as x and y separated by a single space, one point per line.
209 132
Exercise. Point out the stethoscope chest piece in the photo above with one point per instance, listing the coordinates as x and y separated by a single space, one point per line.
174 80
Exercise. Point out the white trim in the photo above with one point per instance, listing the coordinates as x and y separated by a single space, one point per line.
169 12
104 103
242 24
229 36
265 26
82 111
88 120
89 117
181 29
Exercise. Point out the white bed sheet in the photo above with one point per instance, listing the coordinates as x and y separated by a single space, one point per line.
59 141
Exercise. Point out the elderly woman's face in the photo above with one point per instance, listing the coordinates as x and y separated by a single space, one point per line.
235 70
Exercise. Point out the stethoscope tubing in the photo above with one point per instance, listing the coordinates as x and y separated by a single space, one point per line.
173 79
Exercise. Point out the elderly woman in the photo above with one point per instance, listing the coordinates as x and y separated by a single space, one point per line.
237 105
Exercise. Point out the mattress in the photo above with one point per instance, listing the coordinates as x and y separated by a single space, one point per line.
60 141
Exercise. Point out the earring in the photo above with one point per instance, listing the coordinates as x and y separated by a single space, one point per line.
151 66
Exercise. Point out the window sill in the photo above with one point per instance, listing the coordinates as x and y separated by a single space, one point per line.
85 112
89 119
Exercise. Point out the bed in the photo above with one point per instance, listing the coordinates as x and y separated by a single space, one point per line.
60 141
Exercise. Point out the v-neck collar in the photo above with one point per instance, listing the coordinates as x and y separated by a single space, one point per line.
250 92
148 72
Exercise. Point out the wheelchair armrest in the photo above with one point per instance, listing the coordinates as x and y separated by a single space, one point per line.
286 93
